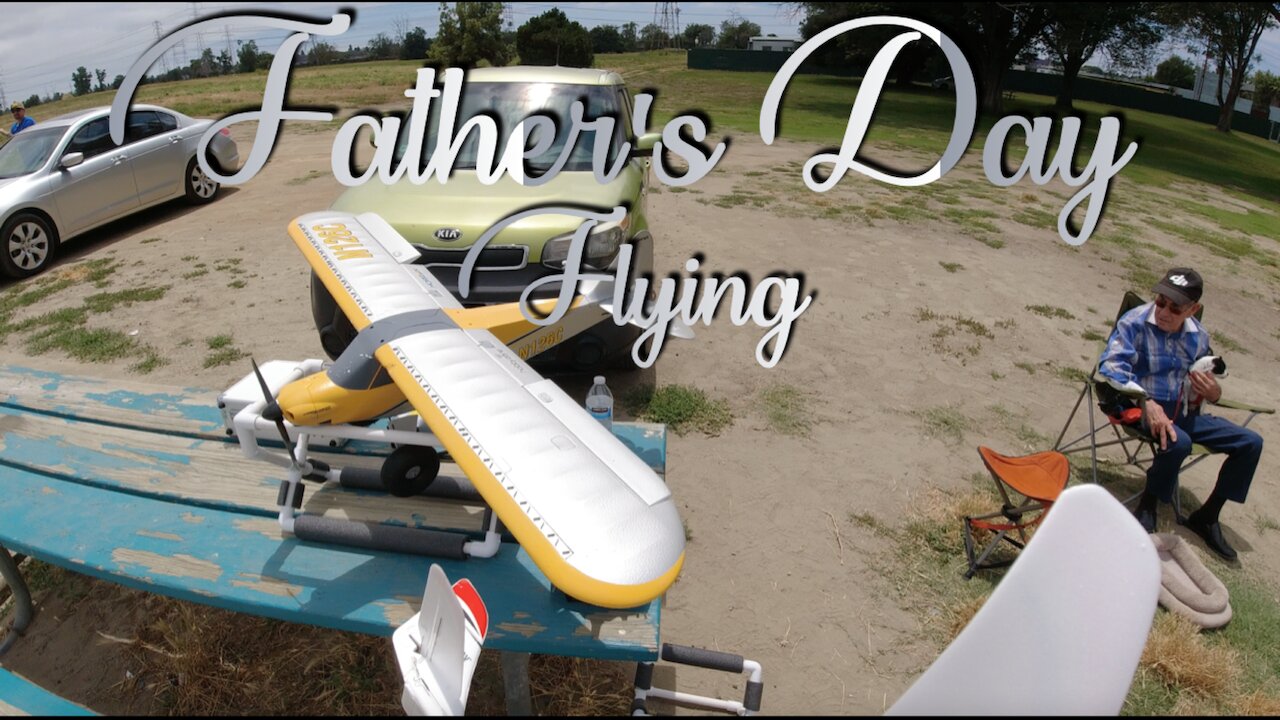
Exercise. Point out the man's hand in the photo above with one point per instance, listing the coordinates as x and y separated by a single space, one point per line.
1206 386
1160 425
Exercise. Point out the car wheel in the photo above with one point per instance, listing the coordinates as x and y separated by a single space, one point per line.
29 243
200 187
336 331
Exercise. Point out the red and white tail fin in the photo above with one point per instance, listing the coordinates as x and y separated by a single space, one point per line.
477 613
437 649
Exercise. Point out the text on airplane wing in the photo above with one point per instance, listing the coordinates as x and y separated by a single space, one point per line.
594 518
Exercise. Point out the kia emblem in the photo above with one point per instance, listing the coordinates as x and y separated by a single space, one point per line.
448 234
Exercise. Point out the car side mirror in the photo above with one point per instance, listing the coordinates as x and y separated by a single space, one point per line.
646 142
71 160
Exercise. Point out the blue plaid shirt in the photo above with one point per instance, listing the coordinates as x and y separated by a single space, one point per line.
1140 351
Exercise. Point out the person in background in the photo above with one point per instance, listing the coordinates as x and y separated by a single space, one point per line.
20 120
1155 345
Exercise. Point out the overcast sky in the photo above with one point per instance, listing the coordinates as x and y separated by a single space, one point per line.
41 44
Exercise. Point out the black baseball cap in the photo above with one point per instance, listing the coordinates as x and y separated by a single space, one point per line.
1182 285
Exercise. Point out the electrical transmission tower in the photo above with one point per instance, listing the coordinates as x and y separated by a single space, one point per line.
195 16
164 59
666 15
508 17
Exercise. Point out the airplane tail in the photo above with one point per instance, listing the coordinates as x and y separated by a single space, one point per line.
437 649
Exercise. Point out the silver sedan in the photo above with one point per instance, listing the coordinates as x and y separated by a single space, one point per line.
63 177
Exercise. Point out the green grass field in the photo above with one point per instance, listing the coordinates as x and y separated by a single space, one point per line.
815 109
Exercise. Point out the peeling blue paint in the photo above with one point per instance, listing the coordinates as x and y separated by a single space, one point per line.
159 404
56 452
93 514
164 457
31 699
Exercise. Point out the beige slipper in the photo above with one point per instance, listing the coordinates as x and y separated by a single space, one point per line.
1187 586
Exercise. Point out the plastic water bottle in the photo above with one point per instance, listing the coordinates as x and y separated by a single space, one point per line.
600 402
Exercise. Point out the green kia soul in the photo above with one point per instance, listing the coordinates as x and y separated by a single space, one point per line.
444 220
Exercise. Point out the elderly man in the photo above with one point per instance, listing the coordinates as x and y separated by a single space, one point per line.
21 121
1154 345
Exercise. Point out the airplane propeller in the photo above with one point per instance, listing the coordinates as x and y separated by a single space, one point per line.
273 412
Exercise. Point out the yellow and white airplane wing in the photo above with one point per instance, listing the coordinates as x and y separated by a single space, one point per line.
594 518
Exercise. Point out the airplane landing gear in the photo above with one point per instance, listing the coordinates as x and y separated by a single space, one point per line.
409 469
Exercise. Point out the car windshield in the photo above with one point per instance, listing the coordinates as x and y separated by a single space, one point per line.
509 103
28 151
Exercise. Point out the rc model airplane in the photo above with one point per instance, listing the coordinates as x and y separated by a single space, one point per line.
594 518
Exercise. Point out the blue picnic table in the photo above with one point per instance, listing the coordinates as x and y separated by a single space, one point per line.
143 486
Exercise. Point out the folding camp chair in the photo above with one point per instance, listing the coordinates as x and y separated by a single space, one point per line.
1038 479
1121 420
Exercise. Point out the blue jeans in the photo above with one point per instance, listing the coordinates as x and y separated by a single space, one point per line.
1242 446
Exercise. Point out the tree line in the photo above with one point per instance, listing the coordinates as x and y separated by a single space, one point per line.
470 33
993 36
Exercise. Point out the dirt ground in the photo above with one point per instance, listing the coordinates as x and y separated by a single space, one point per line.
779 569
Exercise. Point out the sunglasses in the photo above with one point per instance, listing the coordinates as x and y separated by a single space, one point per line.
1163 303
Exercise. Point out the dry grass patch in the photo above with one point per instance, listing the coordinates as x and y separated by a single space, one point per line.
924 568
787 409
961 616
680 407
1178 655
946 422
182 658
580 687
205 661
1257 704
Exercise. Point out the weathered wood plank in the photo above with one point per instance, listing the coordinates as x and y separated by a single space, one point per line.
205 472
19 696
242 563
194 412
118 400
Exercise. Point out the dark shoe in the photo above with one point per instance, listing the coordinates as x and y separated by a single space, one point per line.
1146 518
1211 533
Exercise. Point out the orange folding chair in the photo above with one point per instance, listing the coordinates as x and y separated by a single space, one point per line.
1037 480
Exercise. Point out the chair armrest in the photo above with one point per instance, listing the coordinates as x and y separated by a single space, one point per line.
1131 389
1236 405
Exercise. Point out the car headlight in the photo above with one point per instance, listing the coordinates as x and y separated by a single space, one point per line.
602 247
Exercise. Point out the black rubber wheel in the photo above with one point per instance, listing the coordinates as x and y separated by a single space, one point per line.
336 331
201 188
408 470
27 245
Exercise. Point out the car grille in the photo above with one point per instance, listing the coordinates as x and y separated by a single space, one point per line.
491 258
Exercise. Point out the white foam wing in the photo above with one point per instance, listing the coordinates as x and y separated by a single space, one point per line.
1063 632
595 519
